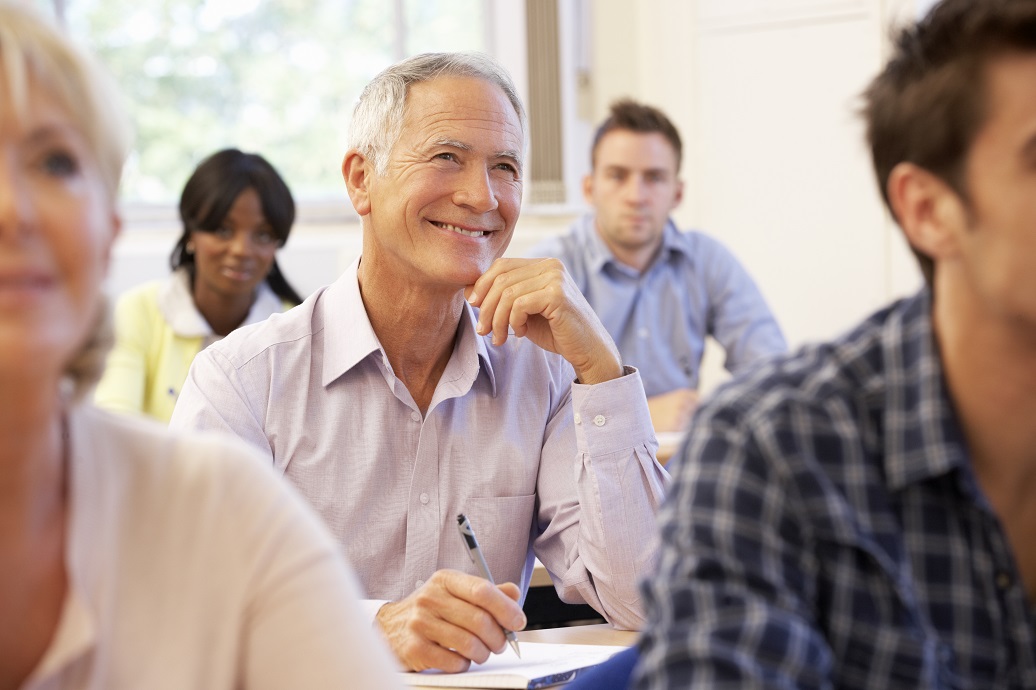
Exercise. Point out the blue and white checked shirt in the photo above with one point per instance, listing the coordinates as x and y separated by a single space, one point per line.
825 530
659 319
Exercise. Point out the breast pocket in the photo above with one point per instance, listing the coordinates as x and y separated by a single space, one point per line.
503 526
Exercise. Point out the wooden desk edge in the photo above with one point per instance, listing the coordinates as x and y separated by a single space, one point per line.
600 633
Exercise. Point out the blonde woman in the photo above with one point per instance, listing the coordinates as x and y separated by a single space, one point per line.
131 558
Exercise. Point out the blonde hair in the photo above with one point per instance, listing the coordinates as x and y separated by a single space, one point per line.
33 50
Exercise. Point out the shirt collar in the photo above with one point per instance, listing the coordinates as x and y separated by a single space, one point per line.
923 437
601 256
176 304
351 338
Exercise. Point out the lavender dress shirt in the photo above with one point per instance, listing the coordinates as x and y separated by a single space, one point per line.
541 466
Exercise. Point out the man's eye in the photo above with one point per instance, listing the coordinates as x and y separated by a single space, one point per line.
60 164
446 156
508 167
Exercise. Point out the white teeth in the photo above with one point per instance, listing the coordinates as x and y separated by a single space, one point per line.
454 228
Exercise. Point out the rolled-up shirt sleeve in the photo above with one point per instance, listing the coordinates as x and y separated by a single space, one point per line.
600 542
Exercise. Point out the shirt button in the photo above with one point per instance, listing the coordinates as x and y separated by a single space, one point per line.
1003 580
599 420
419 584
424 499
579 418
416 416
644 333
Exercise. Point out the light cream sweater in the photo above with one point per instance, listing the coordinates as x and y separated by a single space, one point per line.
192 565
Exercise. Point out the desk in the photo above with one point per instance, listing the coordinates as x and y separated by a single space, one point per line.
540 576
580 634
600 633
668 443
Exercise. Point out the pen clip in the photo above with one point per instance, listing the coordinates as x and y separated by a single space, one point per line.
467 532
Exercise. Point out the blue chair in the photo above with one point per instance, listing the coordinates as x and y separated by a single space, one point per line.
613 674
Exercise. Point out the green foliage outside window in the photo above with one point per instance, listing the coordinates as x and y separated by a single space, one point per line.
278 77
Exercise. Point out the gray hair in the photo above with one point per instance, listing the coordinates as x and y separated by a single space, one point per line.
378 116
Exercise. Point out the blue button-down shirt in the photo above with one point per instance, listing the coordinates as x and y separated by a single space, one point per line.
826 530
660 319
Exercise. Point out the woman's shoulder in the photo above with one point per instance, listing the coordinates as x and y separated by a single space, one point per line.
138 302
148 457
142 293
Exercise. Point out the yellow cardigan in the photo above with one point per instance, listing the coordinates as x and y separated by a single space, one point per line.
149 362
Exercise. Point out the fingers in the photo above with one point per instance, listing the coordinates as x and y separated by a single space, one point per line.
497 604
511 590
511 281
453 619
414 636
516 303
538 300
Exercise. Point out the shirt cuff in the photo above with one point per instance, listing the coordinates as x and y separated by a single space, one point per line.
371 607
612 416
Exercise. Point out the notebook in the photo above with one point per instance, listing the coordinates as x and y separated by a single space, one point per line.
541 666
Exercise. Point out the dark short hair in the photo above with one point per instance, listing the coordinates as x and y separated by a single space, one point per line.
928 104
211 191
627 114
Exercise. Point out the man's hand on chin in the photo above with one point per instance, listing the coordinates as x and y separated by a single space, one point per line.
537 300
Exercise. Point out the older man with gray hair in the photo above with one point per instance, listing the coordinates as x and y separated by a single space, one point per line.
436 378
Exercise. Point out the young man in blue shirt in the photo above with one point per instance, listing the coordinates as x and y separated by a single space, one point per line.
659 291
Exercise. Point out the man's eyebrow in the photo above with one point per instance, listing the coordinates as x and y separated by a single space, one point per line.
452 143
509 153
504 153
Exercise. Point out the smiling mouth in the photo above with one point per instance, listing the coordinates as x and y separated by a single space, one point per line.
460 231
237 273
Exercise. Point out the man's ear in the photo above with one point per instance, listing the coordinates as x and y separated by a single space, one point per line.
679 194
931 213
356 172
588 188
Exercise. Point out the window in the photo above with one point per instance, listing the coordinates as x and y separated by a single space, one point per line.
278 77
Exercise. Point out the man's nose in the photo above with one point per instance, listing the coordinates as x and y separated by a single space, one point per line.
635 189
476 190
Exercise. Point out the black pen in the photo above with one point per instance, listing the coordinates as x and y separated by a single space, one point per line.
475 554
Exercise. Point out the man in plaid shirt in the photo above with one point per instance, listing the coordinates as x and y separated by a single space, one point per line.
863 514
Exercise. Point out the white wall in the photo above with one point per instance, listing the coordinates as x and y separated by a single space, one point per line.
765 96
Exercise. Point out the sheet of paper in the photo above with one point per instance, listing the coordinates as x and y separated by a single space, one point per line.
540 663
